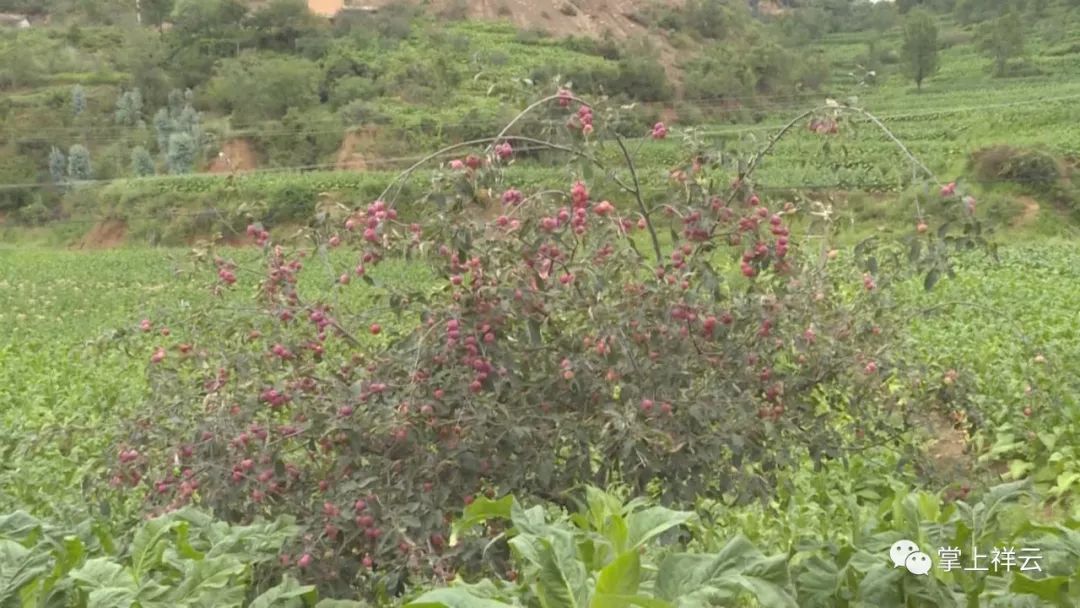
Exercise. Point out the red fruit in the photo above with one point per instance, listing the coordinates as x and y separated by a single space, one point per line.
871 367
469 500
439 394
165 331
360 505
1027 411
921 227
665 408
368 562
304 561
146 325
375 329
646 405
158 356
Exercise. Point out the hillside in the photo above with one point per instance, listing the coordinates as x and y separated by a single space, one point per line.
278 88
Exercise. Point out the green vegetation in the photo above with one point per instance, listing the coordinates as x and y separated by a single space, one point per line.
621 357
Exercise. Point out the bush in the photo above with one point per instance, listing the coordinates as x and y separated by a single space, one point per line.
303 138
256 87
34 214
560 343
1032 169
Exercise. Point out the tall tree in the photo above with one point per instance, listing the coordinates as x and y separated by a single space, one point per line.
920 46
79 163
57 165
142 164
78 100
1003 39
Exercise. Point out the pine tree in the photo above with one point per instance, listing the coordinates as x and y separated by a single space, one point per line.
78 100
142 164
57 165
79 163
181 156
920 46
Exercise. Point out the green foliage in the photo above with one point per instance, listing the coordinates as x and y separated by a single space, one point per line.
255 87
58 166
78 100
184 558
1002 39
181 154
605 555
586 559
155 12
1031 169
78 163
129 109
920 48
142 164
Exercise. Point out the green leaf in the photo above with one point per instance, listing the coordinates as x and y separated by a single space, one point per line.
453 597
149 544
608 600
528 521
111 597
19 567
331 603
690 579
1051 588
18 525
287 593
931 279
482 510
102 572
561 581
621 576
818 581
650 523
880 586
586 169
206 579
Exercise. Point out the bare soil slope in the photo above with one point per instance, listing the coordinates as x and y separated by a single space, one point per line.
560 18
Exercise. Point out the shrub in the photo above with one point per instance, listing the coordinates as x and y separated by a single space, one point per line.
560 343
258 86
34 214
1032 169
79 163
142 164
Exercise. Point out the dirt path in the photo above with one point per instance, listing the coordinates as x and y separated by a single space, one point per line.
106 235
236 155
326 8
1030 212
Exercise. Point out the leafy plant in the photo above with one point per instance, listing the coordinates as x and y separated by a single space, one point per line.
605 555
182 559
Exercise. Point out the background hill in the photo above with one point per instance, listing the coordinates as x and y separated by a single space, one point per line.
219 87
